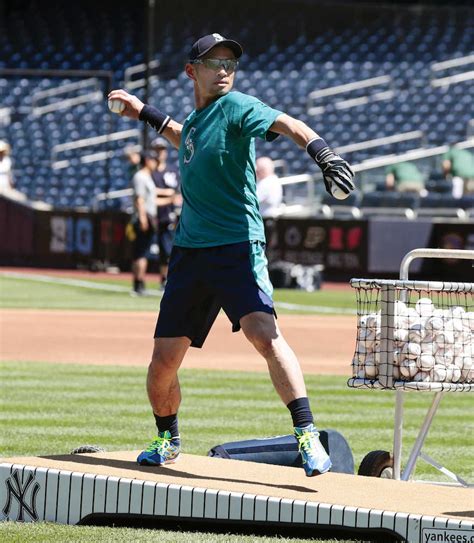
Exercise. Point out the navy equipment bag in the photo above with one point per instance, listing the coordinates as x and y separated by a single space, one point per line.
283 451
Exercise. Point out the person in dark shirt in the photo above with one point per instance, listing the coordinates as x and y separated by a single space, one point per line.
166 179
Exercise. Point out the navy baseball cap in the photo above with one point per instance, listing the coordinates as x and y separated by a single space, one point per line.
206 43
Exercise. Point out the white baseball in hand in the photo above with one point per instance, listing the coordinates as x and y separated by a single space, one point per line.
338 193
116 106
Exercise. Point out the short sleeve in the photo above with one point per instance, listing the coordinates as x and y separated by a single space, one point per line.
138 185
252 117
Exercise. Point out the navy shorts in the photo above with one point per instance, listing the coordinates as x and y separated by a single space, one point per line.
202 281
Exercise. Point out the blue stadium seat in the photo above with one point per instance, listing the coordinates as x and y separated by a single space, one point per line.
434 201
283 74
390 200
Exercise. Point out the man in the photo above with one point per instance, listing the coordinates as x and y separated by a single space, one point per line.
7 187
458 165
143 220
405 177
269 191
218 257
166 180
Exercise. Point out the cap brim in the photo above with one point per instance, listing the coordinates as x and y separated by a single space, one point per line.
231 44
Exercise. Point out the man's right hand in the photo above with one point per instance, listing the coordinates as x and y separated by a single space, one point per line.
133 105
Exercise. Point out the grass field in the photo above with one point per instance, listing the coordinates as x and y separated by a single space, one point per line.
49 408
53 408
32 293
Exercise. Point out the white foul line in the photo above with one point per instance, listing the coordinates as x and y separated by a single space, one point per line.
71 282
154 292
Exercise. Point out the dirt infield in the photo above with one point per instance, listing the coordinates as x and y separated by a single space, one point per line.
323 344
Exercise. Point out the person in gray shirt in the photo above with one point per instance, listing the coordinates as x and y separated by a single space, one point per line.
144 219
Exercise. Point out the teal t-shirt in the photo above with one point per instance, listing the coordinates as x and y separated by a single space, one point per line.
462 162
405 171
217 165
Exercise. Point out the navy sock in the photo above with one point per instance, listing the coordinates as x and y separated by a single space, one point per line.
138 285
300 412
169 423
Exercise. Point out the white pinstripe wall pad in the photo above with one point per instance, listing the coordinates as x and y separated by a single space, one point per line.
30 494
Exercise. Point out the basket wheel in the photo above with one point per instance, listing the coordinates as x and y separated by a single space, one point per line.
85 449
377 464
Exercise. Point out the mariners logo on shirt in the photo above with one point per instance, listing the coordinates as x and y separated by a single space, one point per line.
189 147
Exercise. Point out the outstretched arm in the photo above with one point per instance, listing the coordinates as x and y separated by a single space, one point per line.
337 173
136 109
296 130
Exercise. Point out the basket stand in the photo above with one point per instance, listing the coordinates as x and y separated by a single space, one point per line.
416 451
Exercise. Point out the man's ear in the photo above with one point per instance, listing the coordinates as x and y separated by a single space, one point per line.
189 71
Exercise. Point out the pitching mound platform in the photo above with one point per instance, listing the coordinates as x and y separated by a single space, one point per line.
110 486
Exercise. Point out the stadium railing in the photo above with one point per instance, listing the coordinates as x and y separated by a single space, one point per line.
319 94
95 141
94 95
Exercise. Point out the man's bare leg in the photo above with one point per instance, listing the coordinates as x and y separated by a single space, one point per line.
162 383
262 331
164 394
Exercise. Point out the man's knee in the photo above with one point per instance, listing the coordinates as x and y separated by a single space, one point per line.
262 332
264 344
168 353
163 362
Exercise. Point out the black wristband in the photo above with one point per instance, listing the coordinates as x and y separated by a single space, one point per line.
155 118
314 146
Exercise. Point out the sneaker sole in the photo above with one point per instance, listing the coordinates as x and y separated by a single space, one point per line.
147 463
316 472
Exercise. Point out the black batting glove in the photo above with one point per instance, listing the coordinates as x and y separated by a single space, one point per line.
336 171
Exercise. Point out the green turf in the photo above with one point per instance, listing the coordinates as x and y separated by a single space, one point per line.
52 408
17 533
28 293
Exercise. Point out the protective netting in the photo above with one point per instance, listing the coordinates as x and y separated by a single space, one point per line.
414 334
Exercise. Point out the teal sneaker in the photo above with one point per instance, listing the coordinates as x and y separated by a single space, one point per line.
163 450
315 458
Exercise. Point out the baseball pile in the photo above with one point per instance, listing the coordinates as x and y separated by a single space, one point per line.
430 344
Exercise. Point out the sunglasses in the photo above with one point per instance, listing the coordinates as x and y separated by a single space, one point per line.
229 65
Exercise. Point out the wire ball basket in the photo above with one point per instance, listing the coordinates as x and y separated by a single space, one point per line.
414 335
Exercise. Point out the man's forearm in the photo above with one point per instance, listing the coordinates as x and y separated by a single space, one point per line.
162 123
296 130
173 133
134 108
337 174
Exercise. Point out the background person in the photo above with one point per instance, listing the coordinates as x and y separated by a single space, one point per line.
7 187
218 258
132 156
144 219
269 190
166 179
6 177
405 177
458 165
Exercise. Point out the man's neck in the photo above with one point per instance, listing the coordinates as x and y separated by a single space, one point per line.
204 101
